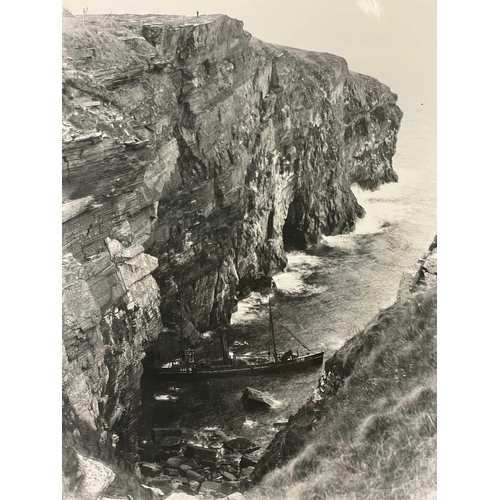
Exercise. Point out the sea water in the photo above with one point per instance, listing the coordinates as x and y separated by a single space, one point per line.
325 296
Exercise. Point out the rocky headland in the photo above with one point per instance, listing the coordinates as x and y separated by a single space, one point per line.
192 155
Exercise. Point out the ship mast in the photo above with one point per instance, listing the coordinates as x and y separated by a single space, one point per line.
225 352
182 332
271 331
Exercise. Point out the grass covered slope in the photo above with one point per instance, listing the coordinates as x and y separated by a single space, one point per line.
376 438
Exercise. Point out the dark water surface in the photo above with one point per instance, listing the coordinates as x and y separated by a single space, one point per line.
326 294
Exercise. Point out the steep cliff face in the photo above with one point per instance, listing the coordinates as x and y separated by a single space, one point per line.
192 155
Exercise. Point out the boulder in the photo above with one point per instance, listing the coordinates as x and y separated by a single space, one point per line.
186 488
194 485
430 263
434 244
201 454
150 451
179 496
157 492
228 476
247 461
247 471
194 476
150 470
210 487
253 399
184 469
176 483
95 477
171 442
236 496
128 253
218 436
241 445
193 464
228 487
174 462
164 483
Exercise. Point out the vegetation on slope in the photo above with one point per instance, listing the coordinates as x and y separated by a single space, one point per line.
377 439
91 48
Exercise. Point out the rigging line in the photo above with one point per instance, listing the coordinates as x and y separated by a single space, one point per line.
260 346
288 319
303 345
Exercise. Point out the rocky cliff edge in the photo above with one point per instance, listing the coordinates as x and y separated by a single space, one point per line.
192 154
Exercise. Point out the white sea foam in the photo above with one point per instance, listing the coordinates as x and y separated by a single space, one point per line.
382 208
250 423
342 241
380 214
372 223
165 397
172 388
300 266
302 260
249 309
292 283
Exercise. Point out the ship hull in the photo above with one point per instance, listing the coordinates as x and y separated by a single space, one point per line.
298 364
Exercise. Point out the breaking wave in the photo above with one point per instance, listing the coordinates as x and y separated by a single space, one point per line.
249 309
300 267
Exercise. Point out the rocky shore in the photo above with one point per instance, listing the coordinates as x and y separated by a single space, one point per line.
192 154
211 471
301 427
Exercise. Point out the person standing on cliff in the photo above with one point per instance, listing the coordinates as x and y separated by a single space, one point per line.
197 14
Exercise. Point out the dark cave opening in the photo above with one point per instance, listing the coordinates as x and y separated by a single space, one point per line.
270 226
294 234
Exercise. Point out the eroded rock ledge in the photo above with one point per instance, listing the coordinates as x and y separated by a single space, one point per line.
192 154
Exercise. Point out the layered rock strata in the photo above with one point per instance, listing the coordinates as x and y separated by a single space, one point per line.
192 155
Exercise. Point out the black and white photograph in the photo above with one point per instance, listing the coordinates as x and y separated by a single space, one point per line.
249 250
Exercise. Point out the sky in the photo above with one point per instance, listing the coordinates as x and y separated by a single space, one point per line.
392 40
